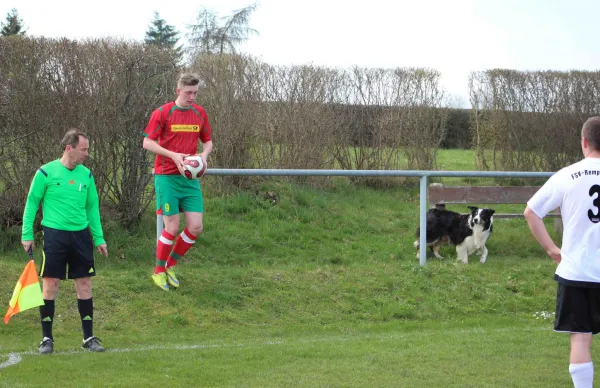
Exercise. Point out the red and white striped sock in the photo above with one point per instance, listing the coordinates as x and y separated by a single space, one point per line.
182 245
163 248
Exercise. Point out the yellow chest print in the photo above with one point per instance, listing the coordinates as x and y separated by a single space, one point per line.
185 128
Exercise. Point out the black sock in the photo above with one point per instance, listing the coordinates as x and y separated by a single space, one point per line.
47 317
86 312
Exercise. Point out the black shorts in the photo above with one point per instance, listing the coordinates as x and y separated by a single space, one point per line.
577 309
63 249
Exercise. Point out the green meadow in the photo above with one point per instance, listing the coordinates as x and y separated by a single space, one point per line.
322 289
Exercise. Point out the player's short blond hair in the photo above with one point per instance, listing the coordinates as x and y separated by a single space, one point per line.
188 79
591 131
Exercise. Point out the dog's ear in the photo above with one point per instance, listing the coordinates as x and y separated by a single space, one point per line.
492 211
472 208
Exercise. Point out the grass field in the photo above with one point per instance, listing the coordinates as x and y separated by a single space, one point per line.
320 290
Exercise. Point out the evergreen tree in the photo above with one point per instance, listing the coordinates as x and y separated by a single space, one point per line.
14 24
162 34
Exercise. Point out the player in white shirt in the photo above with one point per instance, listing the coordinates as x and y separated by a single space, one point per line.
576 190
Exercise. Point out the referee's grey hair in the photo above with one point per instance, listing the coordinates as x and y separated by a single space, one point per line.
72 138
591 131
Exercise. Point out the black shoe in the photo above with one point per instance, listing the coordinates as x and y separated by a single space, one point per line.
92 344
47 346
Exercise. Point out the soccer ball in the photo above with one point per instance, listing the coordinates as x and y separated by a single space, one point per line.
193 167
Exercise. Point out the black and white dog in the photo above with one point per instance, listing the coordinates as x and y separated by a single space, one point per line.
469 232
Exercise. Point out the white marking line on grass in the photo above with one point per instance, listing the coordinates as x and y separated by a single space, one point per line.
15 358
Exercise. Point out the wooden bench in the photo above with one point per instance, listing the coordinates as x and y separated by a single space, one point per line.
439 196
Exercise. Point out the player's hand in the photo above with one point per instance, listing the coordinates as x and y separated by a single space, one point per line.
178 160
27 245
554 253
103 249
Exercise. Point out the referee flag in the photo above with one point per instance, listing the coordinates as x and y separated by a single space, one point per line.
27 293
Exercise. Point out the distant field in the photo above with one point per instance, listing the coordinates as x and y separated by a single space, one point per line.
322 289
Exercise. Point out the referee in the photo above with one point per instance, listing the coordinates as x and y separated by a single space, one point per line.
67 192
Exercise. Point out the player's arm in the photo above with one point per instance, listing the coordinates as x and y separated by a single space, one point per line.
92 208
206 150
152 133
34 197
206 138
539 231
157 149
547 198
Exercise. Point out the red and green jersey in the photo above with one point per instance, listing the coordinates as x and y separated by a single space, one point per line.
69 201
178 130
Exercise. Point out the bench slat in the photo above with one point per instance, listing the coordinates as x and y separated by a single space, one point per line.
549 215
481 194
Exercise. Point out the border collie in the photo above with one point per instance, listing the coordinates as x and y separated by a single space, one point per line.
468 232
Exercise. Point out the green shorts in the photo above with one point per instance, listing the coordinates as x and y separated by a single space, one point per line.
176 193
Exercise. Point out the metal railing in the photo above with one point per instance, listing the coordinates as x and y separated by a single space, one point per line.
422 174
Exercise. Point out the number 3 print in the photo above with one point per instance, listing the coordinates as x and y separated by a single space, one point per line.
595 217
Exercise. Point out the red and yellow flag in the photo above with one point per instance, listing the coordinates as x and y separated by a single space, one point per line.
27 293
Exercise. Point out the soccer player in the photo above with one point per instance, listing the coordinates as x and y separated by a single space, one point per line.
576 190
70 205
173 133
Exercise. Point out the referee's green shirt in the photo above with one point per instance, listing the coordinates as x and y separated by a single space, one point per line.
69 201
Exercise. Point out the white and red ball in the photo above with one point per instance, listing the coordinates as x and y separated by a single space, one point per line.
193 167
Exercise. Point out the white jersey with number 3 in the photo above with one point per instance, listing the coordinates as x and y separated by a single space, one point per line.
576 190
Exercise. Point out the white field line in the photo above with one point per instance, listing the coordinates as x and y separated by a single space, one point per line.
15 358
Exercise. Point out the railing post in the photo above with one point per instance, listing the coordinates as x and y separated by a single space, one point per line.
159 220
159 226
423 221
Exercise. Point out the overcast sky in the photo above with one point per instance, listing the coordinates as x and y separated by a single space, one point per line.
452 36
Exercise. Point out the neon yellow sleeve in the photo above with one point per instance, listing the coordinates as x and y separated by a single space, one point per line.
93 213
36 193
